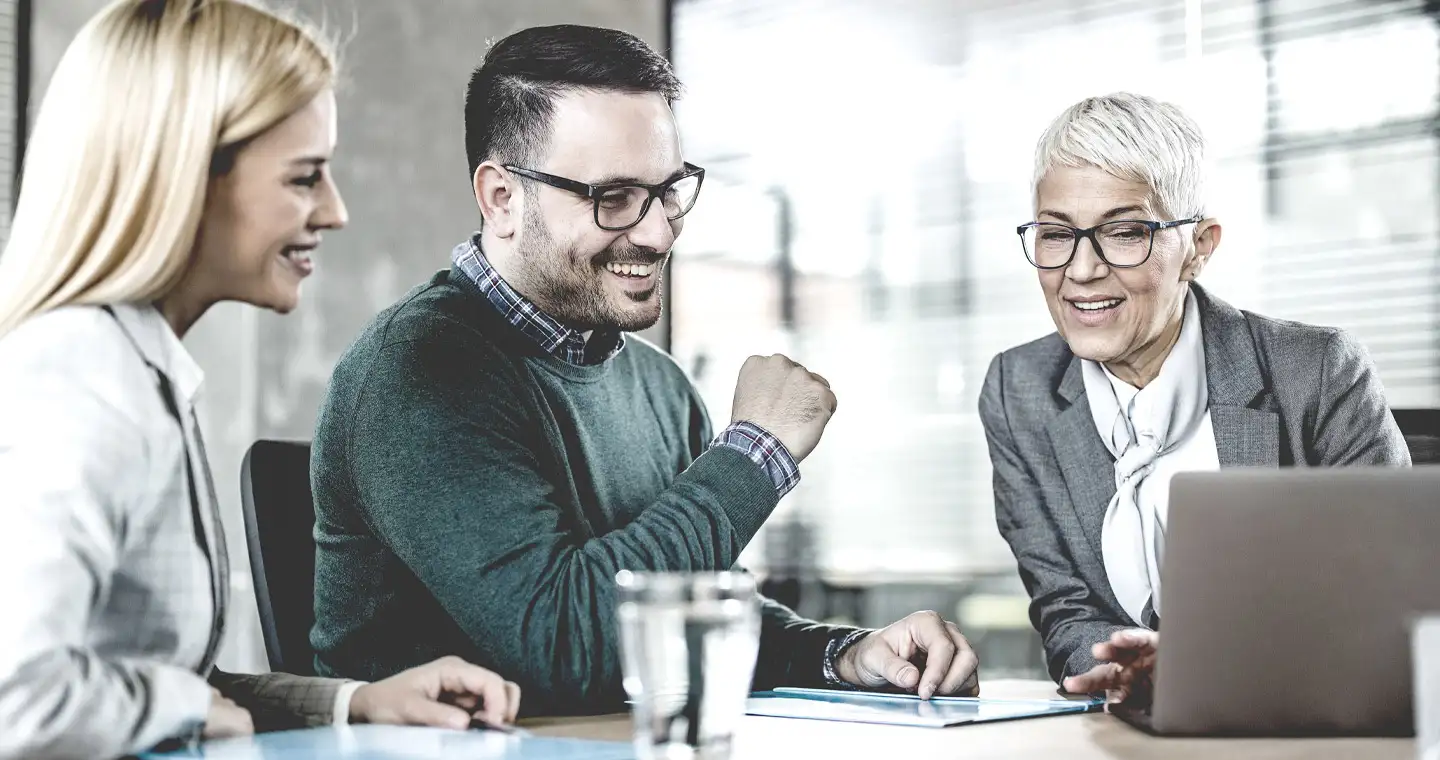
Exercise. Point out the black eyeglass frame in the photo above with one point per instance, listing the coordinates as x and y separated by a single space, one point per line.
593 192
1089 232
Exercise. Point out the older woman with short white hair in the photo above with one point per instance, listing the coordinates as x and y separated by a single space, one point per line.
1147 375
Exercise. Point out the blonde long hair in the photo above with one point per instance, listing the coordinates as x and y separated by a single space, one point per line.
149 101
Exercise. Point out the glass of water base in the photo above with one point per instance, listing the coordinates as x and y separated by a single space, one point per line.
688 646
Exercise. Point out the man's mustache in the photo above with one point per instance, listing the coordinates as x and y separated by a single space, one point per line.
631 256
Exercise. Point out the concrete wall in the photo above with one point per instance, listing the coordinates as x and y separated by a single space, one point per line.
401 166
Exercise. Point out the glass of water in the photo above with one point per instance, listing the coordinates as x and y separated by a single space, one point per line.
688 646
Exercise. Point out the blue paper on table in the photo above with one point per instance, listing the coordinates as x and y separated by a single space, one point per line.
903 709
370 742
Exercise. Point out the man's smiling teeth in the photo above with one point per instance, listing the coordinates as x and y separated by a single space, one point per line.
631 270
1095 305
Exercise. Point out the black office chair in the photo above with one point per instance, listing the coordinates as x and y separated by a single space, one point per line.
1421 428
279 533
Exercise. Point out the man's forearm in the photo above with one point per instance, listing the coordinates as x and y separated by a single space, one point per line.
792 648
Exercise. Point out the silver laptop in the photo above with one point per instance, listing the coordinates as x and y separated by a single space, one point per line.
1288 597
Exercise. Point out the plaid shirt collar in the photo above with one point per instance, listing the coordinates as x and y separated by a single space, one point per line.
564 343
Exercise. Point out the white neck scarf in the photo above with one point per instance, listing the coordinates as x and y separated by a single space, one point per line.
1157 420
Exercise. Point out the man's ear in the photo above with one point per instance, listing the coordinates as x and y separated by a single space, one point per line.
495 193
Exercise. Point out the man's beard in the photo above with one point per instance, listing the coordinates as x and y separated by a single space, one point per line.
574 293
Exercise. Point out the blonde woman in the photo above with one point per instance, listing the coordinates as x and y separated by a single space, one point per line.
181 158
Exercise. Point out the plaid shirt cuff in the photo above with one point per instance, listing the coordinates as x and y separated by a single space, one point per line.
765 450
837 646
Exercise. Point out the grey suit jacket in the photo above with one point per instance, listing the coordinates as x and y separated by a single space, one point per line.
1281 394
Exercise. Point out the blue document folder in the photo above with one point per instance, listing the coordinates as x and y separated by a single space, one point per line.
369 742
905 709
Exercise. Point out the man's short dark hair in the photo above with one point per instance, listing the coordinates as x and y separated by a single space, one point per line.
511 96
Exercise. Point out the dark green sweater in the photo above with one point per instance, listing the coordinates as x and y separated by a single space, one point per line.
476 497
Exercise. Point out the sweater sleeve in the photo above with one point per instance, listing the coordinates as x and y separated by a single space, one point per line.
792 648
466 506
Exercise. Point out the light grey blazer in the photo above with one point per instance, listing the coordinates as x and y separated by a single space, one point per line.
109 602
1281 394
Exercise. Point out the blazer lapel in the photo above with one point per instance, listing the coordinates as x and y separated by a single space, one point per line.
1085 463
1246 433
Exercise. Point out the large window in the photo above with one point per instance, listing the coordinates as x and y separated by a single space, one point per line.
869 162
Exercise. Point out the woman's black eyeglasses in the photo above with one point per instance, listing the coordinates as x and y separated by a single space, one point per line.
1123 243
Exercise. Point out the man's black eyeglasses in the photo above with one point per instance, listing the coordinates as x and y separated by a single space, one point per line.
620 206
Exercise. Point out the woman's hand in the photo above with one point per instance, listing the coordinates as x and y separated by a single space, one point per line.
1127 666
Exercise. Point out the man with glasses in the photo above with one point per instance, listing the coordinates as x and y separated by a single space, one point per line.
1147 375
496 447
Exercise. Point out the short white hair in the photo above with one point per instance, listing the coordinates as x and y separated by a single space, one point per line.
1136 138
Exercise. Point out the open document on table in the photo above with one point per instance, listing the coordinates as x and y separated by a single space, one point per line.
905 709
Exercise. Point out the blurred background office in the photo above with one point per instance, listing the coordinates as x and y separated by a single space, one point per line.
868 162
